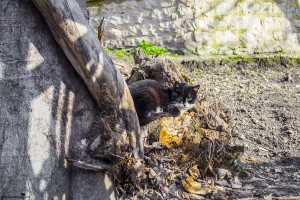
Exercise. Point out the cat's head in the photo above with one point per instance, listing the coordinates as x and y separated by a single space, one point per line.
184 96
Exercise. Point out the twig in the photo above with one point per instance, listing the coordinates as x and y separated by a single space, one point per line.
101 31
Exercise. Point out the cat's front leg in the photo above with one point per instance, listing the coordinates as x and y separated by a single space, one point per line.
173 111
153 116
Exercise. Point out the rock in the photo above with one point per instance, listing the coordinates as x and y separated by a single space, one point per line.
221 173
223 183
152 173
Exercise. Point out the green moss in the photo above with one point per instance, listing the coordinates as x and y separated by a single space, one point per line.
196 70
94 3
107 50
296 17
241 31
216 46
247 59
218 17
294 61
174 55
283 50
214 3
243 44
277 59
239 58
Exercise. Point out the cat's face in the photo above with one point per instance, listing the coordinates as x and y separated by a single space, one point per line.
184 96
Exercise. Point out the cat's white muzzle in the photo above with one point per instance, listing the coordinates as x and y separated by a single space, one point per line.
184 107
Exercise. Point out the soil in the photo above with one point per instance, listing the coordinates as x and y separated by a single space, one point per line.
264 96
265 102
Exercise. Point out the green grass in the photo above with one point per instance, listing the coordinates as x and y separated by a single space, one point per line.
151 49
120 52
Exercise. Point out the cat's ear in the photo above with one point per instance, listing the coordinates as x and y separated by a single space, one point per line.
196 88
176 86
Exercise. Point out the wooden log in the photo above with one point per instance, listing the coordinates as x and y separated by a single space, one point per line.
104 81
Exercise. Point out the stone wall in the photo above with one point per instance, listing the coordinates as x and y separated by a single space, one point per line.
202 27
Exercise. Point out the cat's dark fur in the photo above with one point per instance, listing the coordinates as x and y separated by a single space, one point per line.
152 100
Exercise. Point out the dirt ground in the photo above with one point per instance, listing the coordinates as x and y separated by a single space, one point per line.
264 97
265 101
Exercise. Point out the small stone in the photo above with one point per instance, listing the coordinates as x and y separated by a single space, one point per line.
223 183
221 173
236 183
152 173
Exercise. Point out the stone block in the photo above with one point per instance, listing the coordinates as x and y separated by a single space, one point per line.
255 25
140 17
144 30
242 8
272 23
279 36
263 7
150 4
115 33
167 26
133 30
152 30
130 42
226 37
168 11
225 7
167 3
202 23
189 25
201 8
157 15
204 38
116 20
184 11
242 22
174 16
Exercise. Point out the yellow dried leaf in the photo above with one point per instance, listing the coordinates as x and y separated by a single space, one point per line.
192 186
251 159
194 172
167 138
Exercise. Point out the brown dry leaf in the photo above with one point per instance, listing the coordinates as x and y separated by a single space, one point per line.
193 187
251 159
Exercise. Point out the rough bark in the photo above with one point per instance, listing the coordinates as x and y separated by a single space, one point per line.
44 108
104 81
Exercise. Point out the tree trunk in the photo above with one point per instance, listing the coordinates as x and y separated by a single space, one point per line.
103 79
45 111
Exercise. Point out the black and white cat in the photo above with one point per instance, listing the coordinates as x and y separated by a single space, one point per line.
153 100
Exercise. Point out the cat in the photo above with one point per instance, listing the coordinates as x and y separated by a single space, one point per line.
153 100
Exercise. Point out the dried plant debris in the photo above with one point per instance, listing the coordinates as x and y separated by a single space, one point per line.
188 157
148 67
193 158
